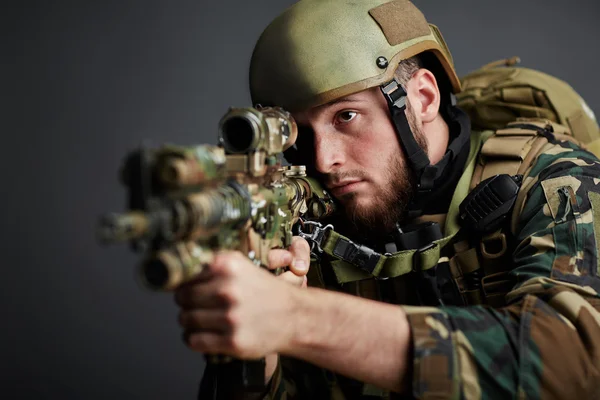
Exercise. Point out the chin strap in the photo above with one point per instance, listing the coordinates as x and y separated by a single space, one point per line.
395 96
425 173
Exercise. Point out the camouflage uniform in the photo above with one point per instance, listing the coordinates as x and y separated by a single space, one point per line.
545 343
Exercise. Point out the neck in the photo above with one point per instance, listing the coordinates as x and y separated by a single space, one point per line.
437 134
441 176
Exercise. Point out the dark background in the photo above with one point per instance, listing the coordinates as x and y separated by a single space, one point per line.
84 82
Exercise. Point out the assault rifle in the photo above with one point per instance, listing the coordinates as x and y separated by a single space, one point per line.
186 203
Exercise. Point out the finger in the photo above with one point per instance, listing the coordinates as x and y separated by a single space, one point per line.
206 342
211 294
223 344
219 266
301 256
228 263
204 320
279 258
292 278
212 290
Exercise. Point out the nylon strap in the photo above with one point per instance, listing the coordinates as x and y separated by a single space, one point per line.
349 269
505 152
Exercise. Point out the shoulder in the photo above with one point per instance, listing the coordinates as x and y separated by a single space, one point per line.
538 151
557 165
561 164
556 220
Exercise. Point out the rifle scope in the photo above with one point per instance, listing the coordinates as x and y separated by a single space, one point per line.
246 130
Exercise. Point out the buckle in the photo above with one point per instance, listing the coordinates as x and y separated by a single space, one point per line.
315 237
394 94
361 256
416 260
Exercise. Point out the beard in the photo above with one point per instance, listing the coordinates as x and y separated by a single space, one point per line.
387 206
390 204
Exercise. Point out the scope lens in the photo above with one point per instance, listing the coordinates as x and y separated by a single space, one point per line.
237 135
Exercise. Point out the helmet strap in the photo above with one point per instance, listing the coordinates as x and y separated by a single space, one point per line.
425 173
395 96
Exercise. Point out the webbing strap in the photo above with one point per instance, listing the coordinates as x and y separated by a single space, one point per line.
350 264
505 152
389 266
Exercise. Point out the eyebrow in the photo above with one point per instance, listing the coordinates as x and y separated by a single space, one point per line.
345 100
320 109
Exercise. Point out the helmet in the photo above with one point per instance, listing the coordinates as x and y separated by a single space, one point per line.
321 50
318 51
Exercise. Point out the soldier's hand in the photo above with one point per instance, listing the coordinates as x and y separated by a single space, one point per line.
238 309
296 258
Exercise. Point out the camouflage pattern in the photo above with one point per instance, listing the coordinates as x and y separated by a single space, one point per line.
179 167
544 344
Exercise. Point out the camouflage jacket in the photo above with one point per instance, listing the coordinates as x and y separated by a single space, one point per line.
545 343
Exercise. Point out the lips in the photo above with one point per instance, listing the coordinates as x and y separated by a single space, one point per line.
341 188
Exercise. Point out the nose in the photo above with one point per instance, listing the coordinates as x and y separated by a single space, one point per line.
329 154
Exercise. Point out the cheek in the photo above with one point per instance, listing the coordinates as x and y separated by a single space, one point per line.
378 138
374 143
375 156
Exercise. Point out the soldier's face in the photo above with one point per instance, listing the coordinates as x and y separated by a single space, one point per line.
359 158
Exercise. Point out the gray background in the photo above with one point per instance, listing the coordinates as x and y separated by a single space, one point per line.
84 82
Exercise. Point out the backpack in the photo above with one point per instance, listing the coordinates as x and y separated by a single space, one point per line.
500 92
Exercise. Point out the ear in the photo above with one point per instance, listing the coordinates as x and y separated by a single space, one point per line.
424 95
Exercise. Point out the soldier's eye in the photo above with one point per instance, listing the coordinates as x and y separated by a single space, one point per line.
346 116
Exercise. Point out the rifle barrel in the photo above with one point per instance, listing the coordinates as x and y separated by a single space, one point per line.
171 267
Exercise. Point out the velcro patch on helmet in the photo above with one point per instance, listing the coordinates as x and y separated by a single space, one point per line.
400 21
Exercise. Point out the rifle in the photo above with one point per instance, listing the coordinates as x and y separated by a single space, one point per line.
187 202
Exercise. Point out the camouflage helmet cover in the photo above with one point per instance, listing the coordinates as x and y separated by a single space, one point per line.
321 50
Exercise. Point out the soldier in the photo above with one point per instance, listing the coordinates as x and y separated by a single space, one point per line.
412 295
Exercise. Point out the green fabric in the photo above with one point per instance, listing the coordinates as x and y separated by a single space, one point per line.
462 188
372 390
346 272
